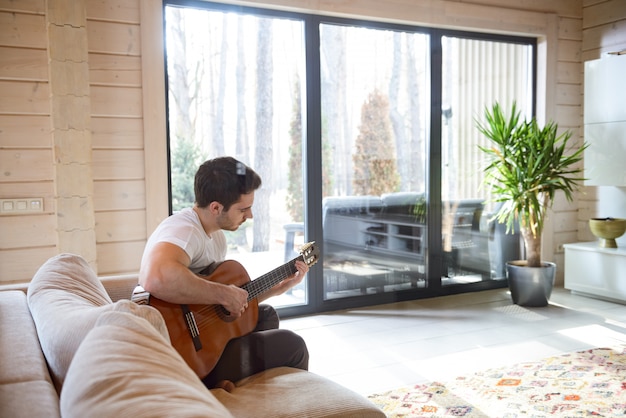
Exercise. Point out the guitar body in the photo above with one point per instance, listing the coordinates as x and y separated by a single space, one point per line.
215 327
200 332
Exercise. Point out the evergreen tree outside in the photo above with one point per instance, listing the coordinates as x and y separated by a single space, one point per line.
186 158
375 170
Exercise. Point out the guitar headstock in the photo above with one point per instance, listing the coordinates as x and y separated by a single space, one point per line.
310 253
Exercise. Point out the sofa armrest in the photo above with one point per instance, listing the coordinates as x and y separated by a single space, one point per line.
120 286
22 287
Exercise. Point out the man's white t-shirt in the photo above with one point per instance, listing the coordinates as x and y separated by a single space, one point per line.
184 230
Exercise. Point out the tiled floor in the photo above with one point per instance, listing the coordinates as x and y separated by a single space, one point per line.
383 347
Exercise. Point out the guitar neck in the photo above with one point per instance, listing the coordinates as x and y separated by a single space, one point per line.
262 284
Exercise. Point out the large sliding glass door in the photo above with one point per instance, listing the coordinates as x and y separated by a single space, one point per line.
375 98
389 185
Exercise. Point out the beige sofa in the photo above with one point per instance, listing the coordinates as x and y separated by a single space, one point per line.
75 346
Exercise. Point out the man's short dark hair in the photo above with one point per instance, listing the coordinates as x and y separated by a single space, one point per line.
224 180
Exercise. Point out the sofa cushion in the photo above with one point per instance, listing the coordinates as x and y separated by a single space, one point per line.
29 399
293 393
26 389
65 299
127 367
21 358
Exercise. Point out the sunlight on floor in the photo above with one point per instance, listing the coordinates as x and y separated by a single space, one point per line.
378 348
598 335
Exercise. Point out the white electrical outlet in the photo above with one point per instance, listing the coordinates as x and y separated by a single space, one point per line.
21 205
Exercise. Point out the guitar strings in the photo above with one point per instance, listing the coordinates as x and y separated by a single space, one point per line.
210 314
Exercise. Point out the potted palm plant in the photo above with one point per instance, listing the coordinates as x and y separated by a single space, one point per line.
526 166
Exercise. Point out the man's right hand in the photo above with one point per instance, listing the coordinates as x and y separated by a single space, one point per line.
235 300
166 275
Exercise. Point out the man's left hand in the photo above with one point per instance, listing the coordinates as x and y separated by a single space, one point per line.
291 281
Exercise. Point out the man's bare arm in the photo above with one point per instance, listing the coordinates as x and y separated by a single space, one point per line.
166 275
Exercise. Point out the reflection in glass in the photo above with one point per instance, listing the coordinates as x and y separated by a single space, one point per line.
476 74
374 100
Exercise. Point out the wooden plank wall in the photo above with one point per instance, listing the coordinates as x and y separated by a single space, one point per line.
70 111
33 146
604 28
26 154
604 31
114 41
124 54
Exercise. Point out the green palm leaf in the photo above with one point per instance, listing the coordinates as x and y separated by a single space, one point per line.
526 166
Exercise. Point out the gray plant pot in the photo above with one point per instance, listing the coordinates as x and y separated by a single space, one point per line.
530 286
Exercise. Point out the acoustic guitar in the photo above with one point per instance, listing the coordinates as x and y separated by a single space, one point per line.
200 332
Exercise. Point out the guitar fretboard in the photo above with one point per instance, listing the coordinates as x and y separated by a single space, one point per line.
265 282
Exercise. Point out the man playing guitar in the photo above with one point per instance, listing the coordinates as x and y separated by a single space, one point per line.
185 244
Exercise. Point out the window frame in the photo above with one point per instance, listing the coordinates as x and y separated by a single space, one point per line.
312 163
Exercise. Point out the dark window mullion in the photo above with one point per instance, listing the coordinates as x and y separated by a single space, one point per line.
434 265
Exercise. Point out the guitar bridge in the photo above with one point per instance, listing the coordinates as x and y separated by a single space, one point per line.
192 327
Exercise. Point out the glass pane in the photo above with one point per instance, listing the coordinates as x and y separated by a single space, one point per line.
234 89
375 98
475 75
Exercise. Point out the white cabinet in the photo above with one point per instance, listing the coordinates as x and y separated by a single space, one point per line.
596 271
605 121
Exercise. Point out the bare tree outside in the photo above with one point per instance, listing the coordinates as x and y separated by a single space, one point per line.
218 106
264 117
415 157
184 91
335 117
241 137
408 136
295 188
395 114
217 137
294 202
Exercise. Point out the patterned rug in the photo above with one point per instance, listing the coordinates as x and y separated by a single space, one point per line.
589 383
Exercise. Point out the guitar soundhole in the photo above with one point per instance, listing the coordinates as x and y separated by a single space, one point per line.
223 314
